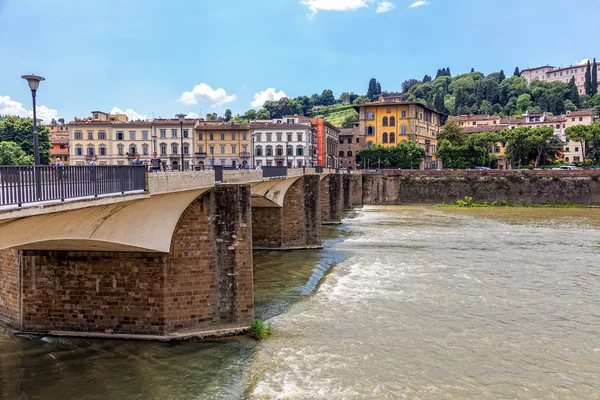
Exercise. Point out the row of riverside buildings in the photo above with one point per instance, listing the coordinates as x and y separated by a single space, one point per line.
552 74
112 139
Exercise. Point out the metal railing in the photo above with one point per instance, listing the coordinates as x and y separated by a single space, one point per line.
30 184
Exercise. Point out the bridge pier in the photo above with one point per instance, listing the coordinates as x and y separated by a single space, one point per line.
295 225
332 199
201 288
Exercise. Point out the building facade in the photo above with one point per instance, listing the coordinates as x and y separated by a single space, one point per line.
222 143
573 151
552 74
170 141
59 142
390 121
284 141
351 140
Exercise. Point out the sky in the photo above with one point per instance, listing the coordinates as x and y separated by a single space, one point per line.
159 58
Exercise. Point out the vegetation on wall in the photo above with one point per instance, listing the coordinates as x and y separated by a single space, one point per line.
403 155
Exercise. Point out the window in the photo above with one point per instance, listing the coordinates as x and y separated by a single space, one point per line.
258 137
200 136
289 137
389 110
211 136
173 133
576 149
299 151
244 148
185 134
174 149
222 136
370 130
101 135
567 150
144 135
212 149
186 149
357 140
233 136
233 149
90 135
120 150
95 116
163 133
369 145
421 116
392 137
222 149
244 136
163 149
290 120
341 140
572 119
79 150
496 149
341 154
474 123
278 137
269 151
299 137
349 154
269 137
200 149
77 135
576 158
145 149
580 119
132 149
370 115
131 135
568 140
258 151
385 137
392 121
558 126
385 121
279 151
404 114
403 130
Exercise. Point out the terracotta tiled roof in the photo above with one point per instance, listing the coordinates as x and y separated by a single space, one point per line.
278 126
160 121
484 117
349 131
581 113
223 127
484 128
121 124
511 121
395 103
533 69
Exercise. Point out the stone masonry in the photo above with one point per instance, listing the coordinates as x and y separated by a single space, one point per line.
10 307
332 199
296 225
203 284
352 189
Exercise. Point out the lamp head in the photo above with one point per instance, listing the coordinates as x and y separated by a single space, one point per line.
33 81
181 117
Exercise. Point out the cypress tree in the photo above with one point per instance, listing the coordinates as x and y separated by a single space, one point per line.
448 72
372 91
439 73
438 102
517 72
502 76
472 70
588 78
574 92
594 86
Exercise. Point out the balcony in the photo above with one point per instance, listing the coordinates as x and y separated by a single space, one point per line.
279 158
245 154
201 154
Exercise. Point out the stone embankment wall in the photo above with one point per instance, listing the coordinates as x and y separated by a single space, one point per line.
519 187
10 298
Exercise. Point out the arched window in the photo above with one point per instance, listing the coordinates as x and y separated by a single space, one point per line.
392 121
145 149
392 137
349 154
259 151
102 150
370 130
403 130
566 159
385 121
385 137
341 154
369 145
357 140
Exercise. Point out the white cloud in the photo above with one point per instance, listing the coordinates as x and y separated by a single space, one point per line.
419 4
334 5
11 107
131 114
203 91
192 115
269 94
584 61
385 6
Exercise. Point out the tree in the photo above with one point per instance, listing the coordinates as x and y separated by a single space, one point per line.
374 89
517 73
472 70
20 131
316 99
485 141
542 139
594 83
61 121
327 98
403 155
350 119
574 92
502 76
460 156
213 117
426 78
12 154
460 101
250 114
448 72
227 115
53 122
361 100
588 78
524 102
453 133
582 134
438 102
263 114
406 85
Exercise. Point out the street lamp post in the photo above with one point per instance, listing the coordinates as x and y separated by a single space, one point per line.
34 83
181 119
287 145
212 155
410 158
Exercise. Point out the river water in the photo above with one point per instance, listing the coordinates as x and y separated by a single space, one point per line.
403 302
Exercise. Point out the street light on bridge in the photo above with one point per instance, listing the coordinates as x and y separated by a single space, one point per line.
34 83
181 119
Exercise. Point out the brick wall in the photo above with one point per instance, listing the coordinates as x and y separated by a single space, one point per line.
9 288
332 200
520 188
203 283
296 224
356 188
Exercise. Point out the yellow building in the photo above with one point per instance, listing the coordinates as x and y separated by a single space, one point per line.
390 121
222 143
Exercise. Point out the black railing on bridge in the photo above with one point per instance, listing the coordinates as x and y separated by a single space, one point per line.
30 184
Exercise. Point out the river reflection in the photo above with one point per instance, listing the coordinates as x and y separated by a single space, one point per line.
403 302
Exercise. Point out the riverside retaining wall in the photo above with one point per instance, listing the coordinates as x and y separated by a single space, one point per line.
519 187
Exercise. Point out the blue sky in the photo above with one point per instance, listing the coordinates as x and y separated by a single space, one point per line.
157 57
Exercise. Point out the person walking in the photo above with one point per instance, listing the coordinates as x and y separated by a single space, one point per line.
155 163
137 160
93 164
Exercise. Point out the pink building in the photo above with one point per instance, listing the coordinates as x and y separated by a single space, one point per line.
552 74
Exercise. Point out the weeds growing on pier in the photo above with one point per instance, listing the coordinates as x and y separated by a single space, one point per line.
258 330
468 202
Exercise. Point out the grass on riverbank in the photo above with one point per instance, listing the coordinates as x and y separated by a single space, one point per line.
468 202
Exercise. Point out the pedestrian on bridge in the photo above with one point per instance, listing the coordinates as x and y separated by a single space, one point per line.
155 163
137 160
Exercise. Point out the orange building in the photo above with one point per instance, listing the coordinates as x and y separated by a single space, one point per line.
59 142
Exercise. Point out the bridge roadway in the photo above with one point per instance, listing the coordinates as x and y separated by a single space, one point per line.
170 263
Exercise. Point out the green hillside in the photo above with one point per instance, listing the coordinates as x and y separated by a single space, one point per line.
335 115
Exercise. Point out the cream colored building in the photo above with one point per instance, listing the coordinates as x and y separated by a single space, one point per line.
573 150
552 74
